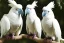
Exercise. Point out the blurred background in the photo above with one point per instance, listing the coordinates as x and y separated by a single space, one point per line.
59 13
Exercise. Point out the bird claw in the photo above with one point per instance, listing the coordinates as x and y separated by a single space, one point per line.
32 36
47 40
9 36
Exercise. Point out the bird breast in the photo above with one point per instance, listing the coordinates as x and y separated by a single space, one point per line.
15 22
14 18
31 17
47 27
47 23
30 23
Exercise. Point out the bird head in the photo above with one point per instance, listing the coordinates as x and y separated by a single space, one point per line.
30 8
17 6
47 10
20 10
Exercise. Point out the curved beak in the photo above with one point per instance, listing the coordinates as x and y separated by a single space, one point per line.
20 12
26 11
44 14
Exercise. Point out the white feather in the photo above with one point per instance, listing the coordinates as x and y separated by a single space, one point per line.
50 5
12 22
10 5
50 25
16 21
57 29
33 5
5 25
33 24
13 3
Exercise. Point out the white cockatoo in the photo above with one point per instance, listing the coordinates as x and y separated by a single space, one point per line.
50 25
33 23
12 22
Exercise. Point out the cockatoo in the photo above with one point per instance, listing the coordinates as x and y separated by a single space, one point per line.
50 25
33 23
12 22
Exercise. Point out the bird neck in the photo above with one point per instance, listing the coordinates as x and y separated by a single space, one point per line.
48 17
32 12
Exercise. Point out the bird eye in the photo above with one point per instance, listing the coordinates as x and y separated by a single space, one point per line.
48 11
16 9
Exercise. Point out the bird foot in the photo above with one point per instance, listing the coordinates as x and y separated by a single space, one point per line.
31 36
9 36
47 40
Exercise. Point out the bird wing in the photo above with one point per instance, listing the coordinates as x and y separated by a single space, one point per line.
37 25
20 27
42 27
5 25
56 28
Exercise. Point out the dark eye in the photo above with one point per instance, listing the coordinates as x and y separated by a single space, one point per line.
16 9
48 11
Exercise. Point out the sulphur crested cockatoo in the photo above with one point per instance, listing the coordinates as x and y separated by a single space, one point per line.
12 22
33 24
50 25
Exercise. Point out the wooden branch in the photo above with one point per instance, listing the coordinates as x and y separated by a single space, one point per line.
38 40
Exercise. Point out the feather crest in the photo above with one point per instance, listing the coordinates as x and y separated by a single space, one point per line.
34 4
50 5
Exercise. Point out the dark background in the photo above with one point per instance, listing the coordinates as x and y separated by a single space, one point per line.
59 14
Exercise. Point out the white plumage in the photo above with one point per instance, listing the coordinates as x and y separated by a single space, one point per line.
33 24
50 25
5 25
12 22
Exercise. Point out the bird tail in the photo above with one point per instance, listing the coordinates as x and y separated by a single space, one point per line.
34 4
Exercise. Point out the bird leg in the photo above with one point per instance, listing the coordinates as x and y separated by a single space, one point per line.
31 36
18 31
47 40
9 36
